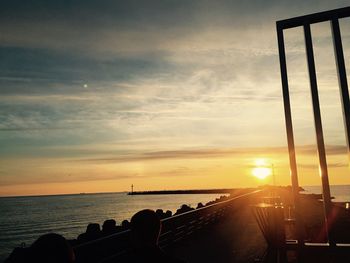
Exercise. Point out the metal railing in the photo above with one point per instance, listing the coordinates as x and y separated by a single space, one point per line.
115 248
306 21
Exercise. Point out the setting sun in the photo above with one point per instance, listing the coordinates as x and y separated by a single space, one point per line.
261 171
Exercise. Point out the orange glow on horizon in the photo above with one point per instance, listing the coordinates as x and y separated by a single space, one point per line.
231 169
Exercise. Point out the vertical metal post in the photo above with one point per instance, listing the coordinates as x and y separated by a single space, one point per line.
343 83
318 127
290 135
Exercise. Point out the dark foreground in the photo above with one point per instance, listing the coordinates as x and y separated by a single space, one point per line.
236 238
228 231
231 229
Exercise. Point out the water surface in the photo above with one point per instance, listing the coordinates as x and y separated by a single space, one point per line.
24 219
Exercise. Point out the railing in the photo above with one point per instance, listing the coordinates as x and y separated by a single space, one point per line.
115 248
333 17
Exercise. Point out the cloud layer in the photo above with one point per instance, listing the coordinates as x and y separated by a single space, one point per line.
165 77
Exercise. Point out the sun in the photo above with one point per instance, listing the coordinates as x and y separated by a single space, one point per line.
261 171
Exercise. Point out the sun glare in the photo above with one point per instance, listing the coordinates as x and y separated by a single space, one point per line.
261 171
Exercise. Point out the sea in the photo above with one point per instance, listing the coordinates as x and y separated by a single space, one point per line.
340 193
24 219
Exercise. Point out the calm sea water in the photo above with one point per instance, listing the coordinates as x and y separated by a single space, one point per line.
341 193
24 219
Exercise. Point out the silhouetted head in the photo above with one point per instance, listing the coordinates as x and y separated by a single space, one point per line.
168 213
125 224
93 228
200 205
160 213
145 228
109 226
51 248
183 209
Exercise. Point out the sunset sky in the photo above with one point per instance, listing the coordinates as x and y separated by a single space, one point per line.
98 95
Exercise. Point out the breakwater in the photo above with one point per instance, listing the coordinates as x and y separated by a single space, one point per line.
181 192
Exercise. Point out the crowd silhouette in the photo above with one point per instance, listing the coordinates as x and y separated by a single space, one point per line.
109 227
145 227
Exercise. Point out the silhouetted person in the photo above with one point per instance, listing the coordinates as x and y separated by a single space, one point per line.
199 205
210 203
168 213
92 232
49 248
160 213
183 209
109 227
125 224
145 231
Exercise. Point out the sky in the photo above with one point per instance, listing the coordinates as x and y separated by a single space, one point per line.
98 95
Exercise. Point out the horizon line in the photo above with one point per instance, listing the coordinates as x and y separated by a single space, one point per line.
126 191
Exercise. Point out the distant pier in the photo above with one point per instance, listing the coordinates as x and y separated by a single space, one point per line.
179 192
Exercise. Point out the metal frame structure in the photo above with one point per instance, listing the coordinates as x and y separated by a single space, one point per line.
306 21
